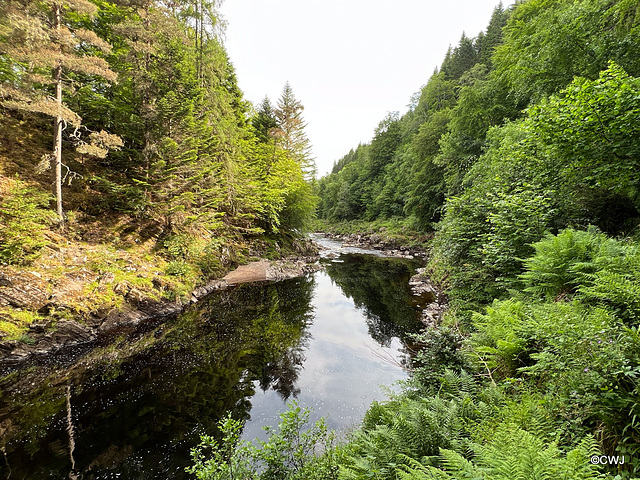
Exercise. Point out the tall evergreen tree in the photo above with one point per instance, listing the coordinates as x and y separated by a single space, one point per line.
291 124
265 120
463 57
487 42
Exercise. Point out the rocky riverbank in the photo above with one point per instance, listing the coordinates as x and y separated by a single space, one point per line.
436 300
51 334
30 292
378 241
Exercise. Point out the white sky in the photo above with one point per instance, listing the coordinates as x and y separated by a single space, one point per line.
348 61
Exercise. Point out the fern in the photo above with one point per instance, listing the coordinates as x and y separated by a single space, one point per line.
418 428
514 454
550 271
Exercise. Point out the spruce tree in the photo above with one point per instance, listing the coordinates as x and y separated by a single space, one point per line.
265 120
291 124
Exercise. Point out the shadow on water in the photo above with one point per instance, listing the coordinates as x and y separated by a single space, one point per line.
135 409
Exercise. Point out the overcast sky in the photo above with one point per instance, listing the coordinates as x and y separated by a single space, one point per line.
348 61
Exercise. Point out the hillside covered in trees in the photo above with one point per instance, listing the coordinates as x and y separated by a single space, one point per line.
520 157
153 149
525 129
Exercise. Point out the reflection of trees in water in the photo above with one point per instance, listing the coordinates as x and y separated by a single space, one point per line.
284 337
378 286
140 416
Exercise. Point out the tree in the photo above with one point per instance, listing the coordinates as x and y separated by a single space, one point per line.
265 120
463 57
488 41
41 40
291 124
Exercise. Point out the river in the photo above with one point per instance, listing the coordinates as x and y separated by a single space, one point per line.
135 408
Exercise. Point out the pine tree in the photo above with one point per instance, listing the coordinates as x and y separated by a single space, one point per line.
291 124
43 45
463 57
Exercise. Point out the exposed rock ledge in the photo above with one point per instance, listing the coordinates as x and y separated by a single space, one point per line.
24 290
276 271
421 285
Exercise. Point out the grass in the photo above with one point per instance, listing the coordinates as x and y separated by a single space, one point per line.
15 322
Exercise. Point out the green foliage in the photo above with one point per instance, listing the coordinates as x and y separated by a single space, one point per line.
590 132
560 262
229 457
516 454
546 44
293 451
596 269
23 218
438 349
188 161
487 230
178 268
415 427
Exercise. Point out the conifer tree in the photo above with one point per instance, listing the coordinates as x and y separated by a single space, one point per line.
488 41
44 45
265 120
291 124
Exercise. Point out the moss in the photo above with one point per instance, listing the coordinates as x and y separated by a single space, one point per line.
16 322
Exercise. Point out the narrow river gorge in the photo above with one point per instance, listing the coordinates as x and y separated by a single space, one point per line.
135 408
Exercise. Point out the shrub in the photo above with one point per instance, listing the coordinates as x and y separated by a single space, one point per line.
294 451
439 349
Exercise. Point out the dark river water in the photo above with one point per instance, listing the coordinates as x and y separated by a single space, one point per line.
136 407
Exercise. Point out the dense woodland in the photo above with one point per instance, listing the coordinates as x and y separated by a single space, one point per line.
130 163
520 157
528 128
148 120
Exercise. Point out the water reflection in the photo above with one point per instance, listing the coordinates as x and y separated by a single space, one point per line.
378 286
138 417
138 407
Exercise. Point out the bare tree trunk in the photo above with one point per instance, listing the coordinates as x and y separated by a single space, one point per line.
57 127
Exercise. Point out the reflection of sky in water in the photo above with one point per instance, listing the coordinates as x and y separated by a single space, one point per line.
343 370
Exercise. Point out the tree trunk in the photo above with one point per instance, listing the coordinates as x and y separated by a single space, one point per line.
57 127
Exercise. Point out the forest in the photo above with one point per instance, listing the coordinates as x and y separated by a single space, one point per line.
519 159
154 159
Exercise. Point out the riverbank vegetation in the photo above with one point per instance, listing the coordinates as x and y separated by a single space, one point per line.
163 175
520 155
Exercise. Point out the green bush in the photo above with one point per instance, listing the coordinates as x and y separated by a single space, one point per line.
439 349
294 451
